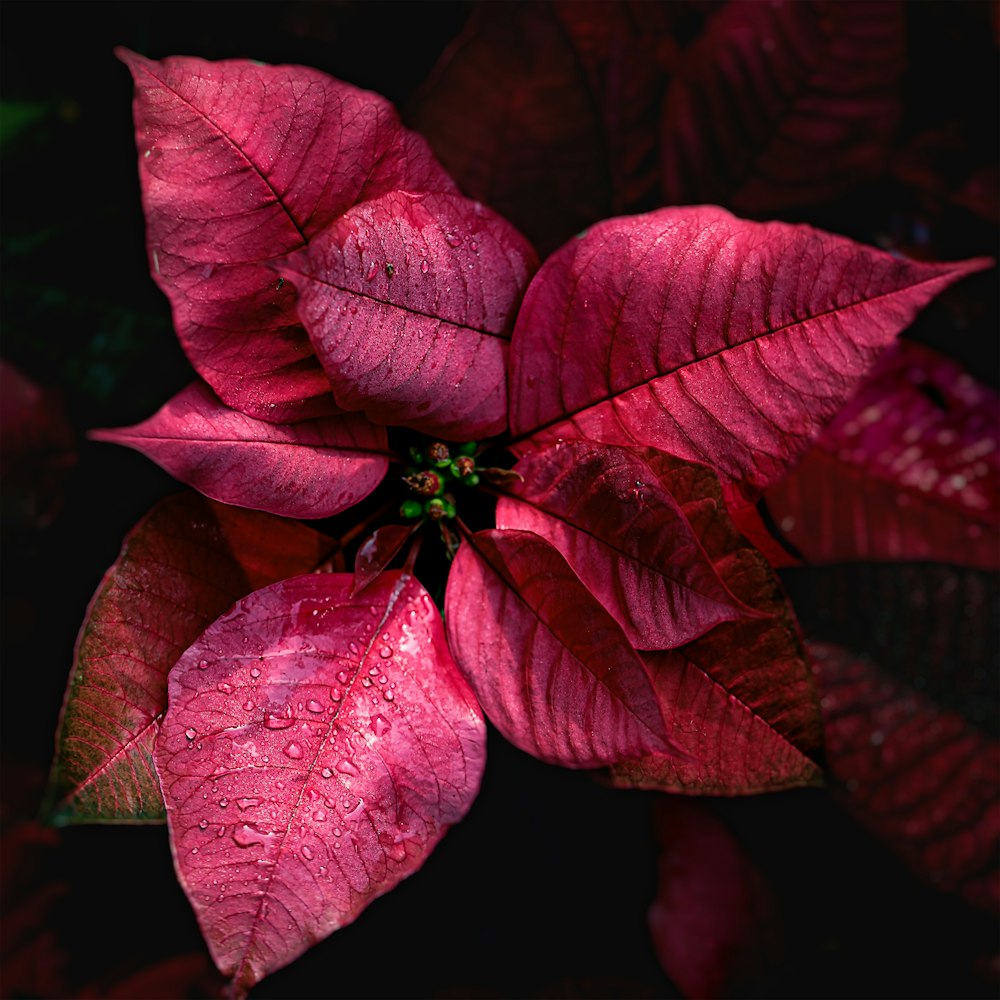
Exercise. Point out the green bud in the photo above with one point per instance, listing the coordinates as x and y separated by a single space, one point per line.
411 509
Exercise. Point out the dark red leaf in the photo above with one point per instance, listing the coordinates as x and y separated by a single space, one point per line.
547 111
740 700
625 537
316 748
715 339
714 920
377 551
780 105
552 669
315 468
909 469
409 301
184 564
241 163
920 777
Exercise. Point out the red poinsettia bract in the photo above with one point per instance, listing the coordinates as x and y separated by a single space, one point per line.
315 732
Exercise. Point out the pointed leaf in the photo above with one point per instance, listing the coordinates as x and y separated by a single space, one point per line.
909 469
783 104
551 668
184 564
311 469
714 921
316 748
920 777
377 551
626 538
723 341
409 301
241 163
740 700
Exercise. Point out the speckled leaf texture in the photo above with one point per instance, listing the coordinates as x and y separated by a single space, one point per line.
714 920
316 749
740 701
919 776
909 469
410 301
626 538
242 163
184 564
312 469
552 669
778 105
719 340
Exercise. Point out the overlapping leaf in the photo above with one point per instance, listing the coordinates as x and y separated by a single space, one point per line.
315 468
376 552
723 341
409 301
714 920
780 105
740 700
552 669
316 748
625 537
184 564
920 777
241 163
910 469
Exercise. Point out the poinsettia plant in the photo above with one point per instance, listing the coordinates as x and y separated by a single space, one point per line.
539 488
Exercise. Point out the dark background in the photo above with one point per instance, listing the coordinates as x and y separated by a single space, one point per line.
542 891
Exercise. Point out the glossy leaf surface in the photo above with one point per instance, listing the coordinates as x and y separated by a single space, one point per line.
920 777
625 536
740 700
719 340
552 669
909 469
316 748
714 921
315 468
377 551
779 105
409 301
241 163
184 564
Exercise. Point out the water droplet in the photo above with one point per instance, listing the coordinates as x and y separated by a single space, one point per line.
371 272
366 682
337 831
307 853
190 733
382 679
346 767
225 688
336 694
203 825
385 652
326 772
473 246
313 705
319 816
254 672
452 239
223 803
247 705
353 647
194 850
424 267
221 832
388 695
343 676
245 835
373 671
203 664
279 720
379 724
352 810
293 750
246 803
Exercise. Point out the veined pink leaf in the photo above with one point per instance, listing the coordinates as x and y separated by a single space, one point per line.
740 700
723 341
409 300
552 669
909 469
184 564
241 163
311 469
920 777
625 537
779 105
378 550
316 748
714 921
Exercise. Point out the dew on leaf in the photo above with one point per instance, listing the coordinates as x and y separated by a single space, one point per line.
385 652
225 688
190 733
294 751
255 672
313 705
346 767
